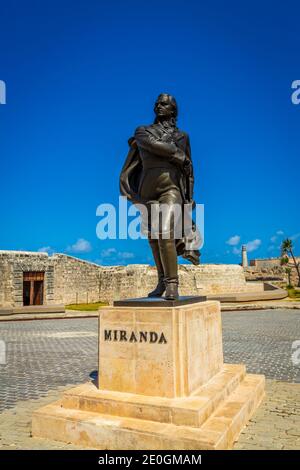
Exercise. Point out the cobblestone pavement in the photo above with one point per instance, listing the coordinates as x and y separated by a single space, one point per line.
15 425
46 356
276 423
263 341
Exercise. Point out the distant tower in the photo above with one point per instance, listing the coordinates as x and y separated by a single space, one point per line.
244 256
2 92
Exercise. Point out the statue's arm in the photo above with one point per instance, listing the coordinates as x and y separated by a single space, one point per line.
189 171
149 142
189 155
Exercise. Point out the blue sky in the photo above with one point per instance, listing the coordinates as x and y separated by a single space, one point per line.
81 76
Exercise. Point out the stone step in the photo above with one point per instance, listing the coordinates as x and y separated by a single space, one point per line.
6 311
191 411
55 308
232 416
105 431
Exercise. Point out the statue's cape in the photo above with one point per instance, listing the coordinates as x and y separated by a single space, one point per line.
129 183
131 173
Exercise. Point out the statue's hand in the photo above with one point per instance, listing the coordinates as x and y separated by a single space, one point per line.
132 142
179 158
187 167
167 138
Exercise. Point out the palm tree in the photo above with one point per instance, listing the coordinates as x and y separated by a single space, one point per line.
289 271
286 249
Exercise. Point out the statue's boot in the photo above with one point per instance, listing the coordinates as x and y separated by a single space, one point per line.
172 290
161 287
168 256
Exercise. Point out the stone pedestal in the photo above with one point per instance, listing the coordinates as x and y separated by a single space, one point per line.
162 384
159 351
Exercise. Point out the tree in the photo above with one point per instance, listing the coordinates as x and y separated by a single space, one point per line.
289 271
286 250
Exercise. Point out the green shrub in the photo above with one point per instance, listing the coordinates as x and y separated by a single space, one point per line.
86 307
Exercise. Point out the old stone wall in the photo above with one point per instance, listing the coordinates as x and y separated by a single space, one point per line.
75 280
268 263
14 264
70 280
118 282
6 283
274 274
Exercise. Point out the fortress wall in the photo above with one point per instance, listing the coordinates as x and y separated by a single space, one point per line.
71 280
118 282
75 280
6 283
14 264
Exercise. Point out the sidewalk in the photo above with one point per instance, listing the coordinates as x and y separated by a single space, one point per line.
225 306
49 316
261 305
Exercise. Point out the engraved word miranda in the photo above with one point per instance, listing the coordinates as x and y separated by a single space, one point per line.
135 337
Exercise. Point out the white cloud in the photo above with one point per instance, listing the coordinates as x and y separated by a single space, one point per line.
125 254
295 237
253 245
235 240
116 255
277 235
250 246
46 249
81 246
274 238
108 252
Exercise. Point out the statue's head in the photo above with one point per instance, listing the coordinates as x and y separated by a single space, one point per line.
165 107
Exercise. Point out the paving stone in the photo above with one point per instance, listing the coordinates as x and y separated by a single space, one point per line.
44 357
263 341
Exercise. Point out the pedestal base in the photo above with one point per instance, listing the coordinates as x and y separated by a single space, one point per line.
162 385
211 419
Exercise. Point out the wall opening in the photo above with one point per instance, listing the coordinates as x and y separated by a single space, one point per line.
33 288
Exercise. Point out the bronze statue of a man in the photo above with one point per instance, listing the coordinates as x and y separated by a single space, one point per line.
159 170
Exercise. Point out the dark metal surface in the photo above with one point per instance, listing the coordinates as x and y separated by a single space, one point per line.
159 170
159 301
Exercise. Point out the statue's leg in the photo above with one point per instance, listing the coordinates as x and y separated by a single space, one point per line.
160 288
167 245
168 257
161 190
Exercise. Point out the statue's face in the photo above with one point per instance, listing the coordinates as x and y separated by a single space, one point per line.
163 108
